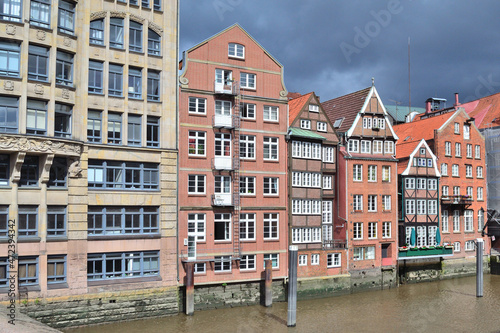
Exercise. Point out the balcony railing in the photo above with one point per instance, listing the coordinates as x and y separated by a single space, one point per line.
228 121
434 251
334 244
228 87
222 199
225 163
456 200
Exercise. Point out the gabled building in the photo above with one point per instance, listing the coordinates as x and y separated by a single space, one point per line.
366 182
233 188
312 168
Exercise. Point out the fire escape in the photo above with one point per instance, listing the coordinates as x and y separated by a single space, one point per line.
229 123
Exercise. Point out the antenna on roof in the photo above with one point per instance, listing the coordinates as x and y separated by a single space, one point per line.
397 103
409 78
373 81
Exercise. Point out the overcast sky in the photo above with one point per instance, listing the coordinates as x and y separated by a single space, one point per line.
335 47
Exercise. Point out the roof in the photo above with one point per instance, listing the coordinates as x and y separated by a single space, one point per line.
295 106
399 112
347 107
305 134
485 111
418 130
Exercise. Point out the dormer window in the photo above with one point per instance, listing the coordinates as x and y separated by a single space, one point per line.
236 51
313 108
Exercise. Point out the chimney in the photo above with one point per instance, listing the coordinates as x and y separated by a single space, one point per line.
456 99
428 106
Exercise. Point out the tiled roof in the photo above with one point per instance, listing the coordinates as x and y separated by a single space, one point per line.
347 107
419 129
295 106
305 134
292 95
485 111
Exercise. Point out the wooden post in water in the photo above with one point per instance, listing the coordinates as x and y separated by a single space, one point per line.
269 283
292 285
189 288
479 267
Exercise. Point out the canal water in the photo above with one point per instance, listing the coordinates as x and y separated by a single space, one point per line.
442 306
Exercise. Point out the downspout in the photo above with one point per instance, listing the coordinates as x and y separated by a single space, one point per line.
177 135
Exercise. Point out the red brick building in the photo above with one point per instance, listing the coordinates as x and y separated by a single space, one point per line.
312 150
366 181
232 158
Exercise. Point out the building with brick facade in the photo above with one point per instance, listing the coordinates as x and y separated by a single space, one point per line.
232 159
312 153
366 183
88 156
459 147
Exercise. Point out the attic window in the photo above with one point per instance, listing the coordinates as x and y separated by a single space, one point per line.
338 123
313 108
236 50
407 138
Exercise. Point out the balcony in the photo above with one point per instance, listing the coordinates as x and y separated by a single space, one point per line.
224 163
222 200
456 200
225 121
226 87
425 252
333 244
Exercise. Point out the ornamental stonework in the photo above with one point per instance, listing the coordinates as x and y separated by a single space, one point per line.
115 13
65 94
19 143
38 89
67 41
97 15
41 35
156 28
10 29
8 85
137 18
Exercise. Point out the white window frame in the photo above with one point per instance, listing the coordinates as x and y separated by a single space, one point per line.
378 146
480 193
353 146
447 148
372 173
372 203
386 229
272 223
386 173
357 230
198 221
386 202
357 172
272 182
234 48
444 169
454 171
456 221
469 150
321 126
303 260
477 152
357 202
271 113
372 230
328 154
445 221
366 147
305 124
479 172
246 79
334 260
247 223
197 180
458 149
410 207
273 143
327 182
314 259
468 220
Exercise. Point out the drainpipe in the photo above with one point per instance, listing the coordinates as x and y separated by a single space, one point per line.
177 135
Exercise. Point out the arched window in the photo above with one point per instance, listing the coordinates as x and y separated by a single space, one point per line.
97 32
154 43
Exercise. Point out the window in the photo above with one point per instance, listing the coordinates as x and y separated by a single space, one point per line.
377 147
222 144
432 184
303 260
247 226
247 185
366 147
27 271
197 105
372 203
200 268
386 202
327 214
4 271
468 171
458 148
29 171
247 111
38 63
364 253
421 183
114 128
66 21
357 230
456 247
36 117
454 170
62 121
56 269
333 260
154 43
274 257
97 32
456 128
28 221
421 207
223 108
328 154
135 37
321 126
469 150
313 108
314 259
4 170
128 220
115 80
9 58
305 124
222 264
247 262
353 146
327 182
94 126
197 143
153 131
466 132
271 226
247 80
429 163
444 221
116 265
477 151
372 230
247 146
456 221
372 173
357 172
196 184
479 172
10 10
357 202
409 183
367 122
116 32
58 172
270 148
134 130
468 220
134 83
95 77
157 4
296 178
153 86
480 193
271 186
236 50
222 227
386 229
271 113
196 226
421 162
296 149
145 3
444 169
432 207
447 148
410 207
480 220
123 175
456 190
446 191
64 68
222 184
469 245
421 236
56 221
338 122
296 206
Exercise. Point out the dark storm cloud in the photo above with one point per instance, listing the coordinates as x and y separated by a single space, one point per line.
336 47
